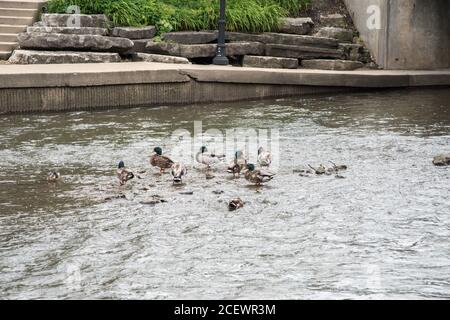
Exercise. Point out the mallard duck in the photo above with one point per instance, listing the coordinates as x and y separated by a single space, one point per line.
124 175
320 170
442 160
235 204
208 158
54 177
257 176
160 161
238 164
179 170
264 157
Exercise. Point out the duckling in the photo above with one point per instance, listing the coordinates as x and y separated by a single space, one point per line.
53 177
208 158
264 157
124 175
160 161
257 176
238 164
179 170
235 204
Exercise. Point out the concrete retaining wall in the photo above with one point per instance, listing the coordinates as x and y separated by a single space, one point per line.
414 34
39 88
136 95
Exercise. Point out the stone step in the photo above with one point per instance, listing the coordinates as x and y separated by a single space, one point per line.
204 50
190 37
148 57
21 4
4 55
300 26
8 46
73 42
67 30
58 57
16 20
8 37
134 33
7 28
283 38
67 20
16 12
302 52
269 62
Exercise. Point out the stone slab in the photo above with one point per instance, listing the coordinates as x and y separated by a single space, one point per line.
190 37
302 52
148 57
61 57
204 50
300 26
269 62
351 51
340 34
66 30
54 41
298 40
74 20
333 20
134 33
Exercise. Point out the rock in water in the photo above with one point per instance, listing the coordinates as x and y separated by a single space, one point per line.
442 160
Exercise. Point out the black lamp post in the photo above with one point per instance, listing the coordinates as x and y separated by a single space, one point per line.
221 58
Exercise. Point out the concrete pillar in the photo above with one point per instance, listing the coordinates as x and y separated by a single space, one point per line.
413 34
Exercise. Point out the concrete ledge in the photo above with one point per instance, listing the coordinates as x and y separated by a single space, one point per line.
35 88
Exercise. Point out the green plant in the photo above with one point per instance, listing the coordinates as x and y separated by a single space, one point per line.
178 15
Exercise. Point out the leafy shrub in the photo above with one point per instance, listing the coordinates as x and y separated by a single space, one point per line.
178 15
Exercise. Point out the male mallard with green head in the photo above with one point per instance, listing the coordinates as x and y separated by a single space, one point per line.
124 175
208 159
160 161
238 164
257 176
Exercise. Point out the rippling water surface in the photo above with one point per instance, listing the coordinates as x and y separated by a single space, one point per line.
382 232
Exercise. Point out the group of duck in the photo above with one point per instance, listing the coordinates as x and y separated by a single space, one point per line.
179 170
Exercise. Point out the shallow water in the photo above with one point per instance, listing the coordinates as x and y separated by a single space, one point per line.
382 232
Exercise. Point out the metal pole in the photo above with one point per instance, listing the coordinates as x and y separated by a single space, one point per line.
221 58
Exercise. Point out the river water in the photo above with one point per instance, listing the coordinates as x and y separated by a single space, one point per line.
380 232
